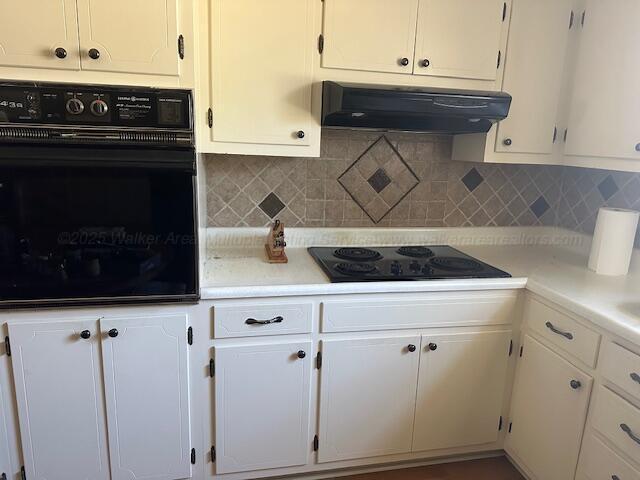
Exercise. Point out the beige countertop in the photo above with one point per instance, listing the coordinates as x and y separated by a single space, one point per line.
546 261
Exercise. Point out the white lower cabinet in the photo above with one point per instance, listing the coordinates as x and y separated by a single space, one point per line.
548 413
146 377
61 392
461 389
60 399
262 399
367 396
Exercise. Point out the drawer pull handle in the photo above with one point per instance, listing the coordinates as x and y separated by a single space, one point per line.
615 477
253 321
635 377
625 428
567 335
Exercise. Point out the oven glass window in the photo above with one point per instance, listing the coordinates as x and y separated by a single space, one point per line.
84 233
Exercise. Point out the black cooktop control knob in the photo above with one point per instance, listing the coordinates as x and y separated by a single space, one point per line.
396 268
75 106
427 270
415 267
99 108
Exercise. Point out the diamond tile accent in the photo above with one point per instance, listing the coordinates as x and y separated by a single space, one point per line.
272 205
473 179
379 180
608 187
540 207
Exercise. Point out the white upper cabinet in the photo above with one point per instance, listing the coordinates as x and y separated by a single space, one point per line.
129 36
260 76
39 34
533 74
459 38
262 398
367 397
548 412
605 104
145 363
461 389
374 35
60 399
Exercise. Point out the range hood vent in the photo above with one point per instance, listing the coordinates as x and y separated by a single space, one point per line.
411 109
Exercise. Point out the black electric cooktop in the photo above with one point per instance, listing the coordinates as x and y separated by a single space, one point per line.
378 264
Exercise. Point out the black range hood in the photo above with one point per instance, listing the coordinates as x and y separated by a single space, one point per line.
414 109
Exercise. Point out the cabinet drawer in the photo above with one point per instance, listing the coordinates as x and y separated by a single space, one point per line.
619 421
563 331
621 367
402 312
249 320
599 462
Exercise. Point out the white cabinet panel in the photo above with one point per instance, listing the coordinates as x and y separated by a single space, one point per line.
262 395
547 413
132 36
8 442
459 38
261 72
60 400
367 397
147 394
605 104
373 35
533 74
460 389
32 30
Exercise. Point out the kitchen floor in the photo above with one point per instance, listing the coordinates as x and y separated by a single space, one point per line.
498 468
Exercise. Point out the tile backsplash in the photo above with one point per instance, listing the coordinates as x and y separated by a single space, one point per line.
366 179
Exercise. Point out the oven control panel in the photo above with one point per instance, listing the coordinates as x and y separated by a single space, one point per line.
80 105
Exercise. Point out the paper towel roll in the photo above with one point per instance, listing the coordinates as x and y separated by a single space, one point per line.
613 241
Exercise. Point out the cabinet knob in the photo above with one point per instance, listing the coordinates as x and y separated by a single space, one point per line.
425 63
432 346
575 384
411 348
113 333
61 53
94 53
85 334
301 354
404 61
507 142
637 147
300 134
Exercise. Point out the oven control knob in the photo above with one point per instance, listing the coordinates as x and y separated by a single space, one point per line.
414 266
75 106
99 108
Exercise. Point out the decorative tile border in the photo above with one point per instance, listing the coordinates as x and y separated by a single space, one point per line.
365 179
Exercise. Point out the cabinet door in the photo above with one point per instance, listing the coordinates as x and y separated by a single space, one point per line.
8 444
367 397
460 389
131 36
533 74
60 400
261 71
32 30
373 35
605 105
262 397
459 38
147 392
547 413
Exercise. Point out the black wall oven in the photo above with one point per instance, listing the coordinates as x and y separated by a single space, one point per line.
97 196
